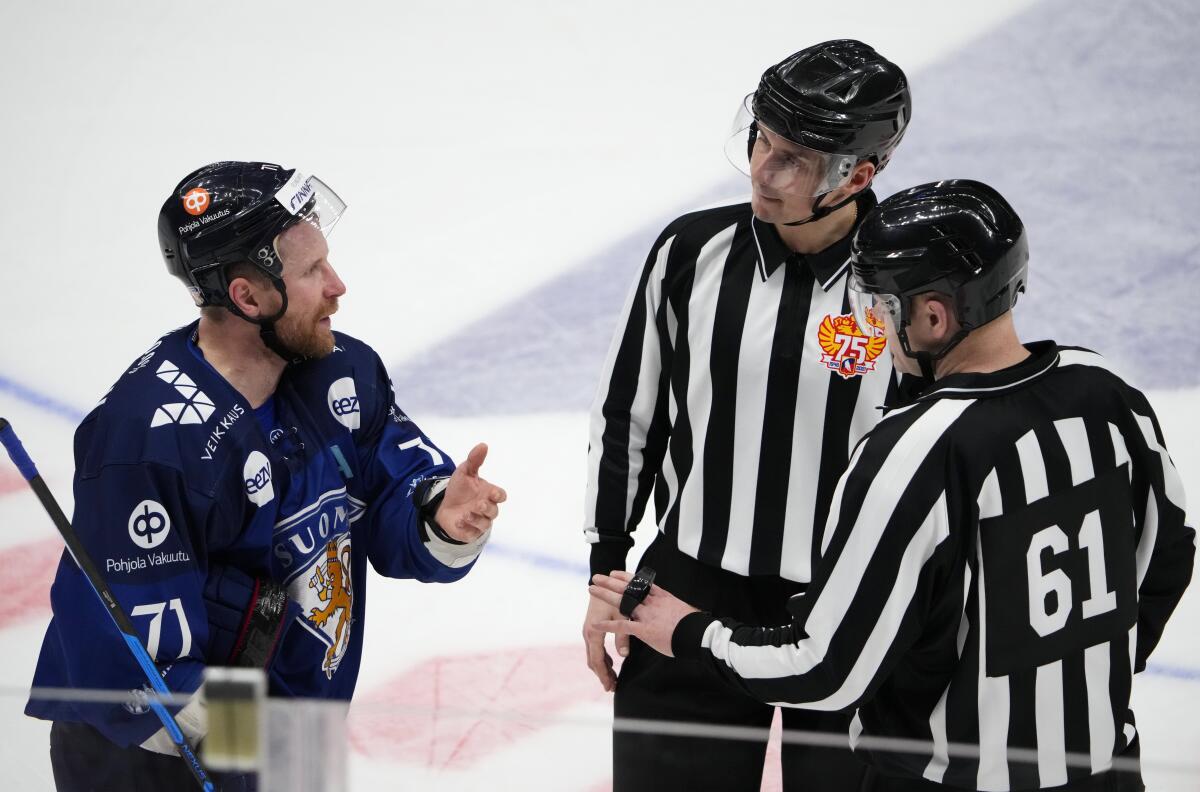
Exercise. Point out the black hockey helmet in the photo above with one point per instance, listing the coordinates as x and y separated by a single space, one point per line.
956 237
839 97
231 212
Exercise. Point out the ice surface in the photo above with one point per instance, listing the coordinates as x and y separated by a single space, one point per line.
506 166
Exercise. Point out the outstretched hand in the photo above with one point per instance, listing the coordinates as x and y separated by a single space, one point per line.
470 503
653 621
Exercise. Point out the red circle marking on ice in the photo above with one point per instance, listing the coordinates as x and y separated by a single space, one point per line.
433 714
32 565
11 482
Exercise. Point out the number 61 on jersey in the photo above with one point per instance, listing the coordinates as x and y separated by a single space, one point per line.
1060 574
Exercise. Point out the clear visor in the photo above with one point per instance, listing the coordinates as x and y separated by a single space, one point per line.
311 201
315 209
872 310
780 164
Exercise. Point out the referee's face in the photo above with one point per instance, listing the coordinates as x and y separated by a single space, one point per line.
780 189
778 207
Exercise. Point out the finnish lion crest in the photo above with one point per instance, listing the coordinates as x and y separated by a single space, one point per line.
330 583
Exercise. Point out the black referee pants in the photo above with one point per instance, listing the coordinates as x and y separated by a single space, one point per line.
84 760
1109 781
654 687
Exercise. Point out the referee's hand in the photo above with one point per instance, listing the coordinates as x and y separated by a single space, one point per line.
598 658
653 621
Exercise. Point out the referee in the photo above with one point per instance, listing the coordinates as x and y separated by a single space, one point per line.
1003 552
735 388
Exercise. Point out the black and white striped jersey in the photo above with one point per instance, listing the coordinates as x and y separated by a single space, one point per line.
735 387
1002 555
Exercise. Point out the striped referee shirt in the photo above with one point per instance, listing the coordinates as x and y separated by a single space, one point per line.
735 387
1002 556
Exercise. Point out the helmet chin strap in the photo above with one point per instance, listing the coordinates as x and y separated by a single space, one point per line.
925 359
822 211
266 327
266 331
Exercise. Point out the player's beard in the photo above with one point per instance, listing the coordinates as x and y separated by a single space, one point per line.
306 336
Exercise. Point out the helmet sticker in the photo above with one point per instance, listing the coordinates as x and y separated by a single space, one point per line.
295 193
196 201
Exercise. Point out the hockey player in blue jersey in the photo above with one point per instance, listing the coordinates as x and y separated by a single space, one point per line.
235 482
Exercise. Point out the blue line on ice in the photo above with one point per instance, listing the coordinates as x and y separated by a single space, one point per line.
40 400
532 558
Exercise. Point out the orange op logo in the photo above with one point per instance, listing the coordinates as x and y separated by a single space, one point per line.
847 349
195 201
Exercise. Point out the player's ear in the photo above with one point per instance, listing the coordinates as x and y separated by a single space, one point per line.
244 295
252 293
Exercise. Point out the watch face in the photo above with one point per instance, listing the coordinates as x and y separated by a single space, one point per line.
636 590
643 579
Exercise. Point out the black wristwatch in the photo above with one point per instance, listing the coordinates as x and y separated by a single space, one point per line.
636 591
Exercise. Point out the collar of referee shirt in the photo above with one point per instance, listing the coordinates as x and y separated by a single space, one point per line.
1043 357
827 265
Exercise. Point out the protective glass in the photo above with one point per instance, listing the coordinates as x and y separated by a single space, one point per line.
312 201
872 310
782 165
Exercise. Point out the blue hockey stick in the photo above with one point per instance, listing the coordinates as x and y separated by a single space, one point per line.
24 464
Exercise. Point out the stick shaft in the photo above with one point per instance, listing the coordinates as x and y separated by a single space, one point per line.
21 459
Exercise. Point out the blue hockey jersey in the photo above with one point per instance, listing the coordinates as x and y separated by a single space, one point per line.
175 476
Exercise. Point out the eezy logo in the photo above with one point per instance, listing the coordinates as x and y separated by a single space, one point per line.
343 402
149 524
257 474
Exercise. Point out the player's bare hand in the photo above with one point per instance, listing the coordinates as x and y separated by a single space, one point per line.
598 658
471 503
653 621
